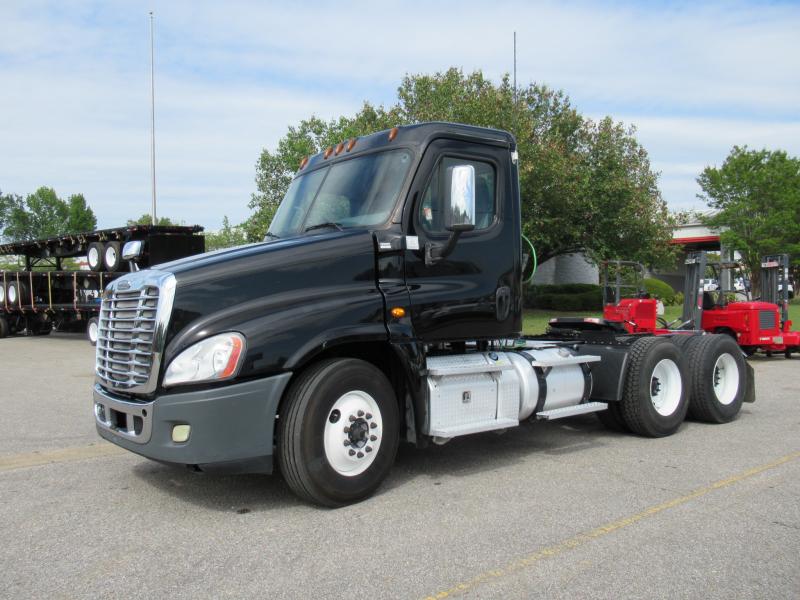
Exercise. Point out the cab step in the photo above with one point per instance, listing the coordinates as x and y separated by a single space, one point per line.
571 411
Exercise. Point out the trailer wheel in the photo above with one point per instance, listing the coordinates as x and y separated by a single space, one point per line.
94 256
717 379
92 326
112 257
654 400
17 292
2 294
5 329
338 432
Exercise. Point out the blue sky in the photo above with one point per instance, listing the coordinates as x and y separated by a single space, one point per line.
694 78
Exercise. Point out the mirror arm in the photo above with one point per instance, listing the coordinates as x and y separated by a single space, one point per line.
435 252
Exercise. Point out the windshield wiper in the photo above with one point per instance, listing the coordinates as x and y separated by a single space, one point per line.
269 234
321 225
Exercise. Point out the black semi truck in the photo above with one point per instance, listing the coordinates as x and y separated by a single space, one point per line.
384 305
45 294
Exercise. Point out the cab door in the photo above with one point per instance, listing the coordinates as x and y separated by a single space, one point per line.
474 292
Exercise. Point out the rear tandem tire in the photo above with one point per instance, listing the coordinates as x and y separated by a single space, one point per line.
717 378
336 407
5 328
655 400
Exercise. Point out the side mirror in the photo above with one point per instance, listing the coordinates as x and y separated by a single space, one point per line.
132 250
461 213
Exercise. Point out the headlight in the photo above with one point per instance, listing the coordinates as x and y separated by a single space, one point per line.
213 359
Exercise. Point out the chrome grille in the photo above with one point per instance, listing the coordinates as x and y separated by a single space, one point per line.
133 317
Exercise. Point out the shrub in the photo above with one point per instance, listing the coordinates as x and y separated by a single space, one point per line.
657 288
677 300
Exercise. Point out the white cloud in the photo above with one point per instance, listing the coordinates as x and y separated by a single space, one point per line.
231 76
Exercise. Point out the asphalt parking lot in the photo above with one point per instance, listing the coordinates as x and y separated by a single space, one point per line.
563 509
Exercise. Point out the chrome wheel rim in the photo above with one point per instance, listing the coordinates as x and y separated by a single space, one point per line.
726 379
111 256
353 432
666 387
93 257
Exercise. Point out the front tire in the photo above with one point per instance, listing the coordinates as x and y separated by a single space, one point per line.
654 401
332 414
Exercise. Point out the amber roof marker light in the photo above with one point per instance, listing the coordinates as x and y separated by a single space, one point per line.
350 144
393 133
339 148
328 152
303 163
398 312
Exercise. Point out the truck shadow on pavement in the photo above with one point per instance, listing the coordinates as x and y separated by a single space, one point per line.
461 457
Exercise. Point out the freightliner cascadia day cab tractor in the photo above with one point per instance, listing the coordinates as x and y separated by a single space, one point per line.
385 304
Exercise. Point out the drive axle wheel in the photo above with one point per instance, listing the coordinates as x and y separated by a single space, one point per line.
654 401
338 432
718 378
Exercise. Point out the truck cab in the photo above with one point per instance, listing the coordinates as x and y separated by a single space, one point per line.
385 304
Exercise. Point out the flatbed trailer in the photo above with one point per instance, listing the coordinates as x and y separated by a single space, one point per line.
43 296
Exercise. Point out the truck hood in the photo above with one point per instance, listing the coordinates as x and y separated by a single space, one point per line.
258 289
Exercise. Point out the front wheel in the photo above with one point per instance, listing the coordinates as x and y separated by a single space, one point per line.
338 432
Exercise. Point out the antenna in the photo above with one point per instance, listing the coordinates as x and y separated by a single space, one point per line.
515 70
152 119
514 108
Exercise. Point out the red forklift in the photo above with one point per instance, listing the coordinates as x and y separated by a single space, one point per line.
761 324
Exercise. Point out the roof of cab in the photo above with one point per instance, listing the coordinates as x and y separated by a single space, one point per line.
418 135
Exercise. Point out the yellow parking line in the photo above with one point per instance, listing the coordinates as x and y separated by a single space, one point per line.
46 457
584 538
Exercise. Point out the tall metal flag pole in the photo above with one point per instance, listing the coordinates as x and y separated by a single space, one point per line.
152 119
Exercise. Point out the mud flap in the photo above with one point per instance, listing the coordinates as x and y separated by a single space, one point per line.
750 393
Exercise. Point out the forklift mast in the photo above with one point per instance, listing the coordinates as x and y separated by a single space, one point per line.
693 289
620 270
775 282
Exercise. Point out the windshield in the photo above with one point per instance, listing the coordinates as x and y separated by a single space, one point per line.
357 192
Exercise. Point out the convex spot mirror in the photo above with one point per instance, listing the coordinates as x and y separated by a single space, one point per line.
461 213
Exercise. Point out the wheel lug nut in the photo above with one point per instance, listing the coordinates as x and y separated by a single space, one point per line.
372 438
373 425
352 452
361 413
369 415
347 442
368 448
360 455
347 429
352 418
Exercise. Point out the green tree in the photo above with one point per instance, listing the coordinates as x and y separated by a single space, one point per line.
585 185
146 219
756 196
226 237
80 215
43 214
